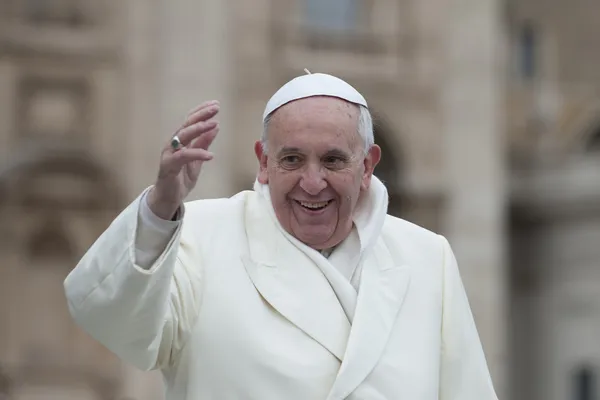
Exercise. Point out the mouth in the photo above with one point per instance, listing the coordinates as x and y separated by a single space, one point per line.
314 206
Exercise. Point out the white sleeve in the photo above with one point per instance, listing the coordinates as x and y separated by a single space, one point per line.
153 234
464 372
144 315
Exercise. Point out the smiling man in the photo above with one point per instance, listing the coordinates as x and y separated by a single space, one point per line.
318 157
303 288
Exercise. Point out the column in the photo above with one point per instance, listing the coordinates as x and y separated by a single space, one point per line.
14 260
196 65
143 136
177 56
107 124
8 108
472 109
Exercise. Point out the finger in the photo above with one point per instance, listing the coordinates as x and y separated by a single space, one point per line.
203 105
194 111
190 133
203 114
182 157
205 140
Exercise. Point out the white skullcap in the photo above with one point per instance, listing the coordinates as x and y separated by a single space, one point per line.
313 85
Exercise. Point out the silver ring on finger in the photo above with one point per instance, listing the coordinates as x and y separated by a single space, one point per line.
176 143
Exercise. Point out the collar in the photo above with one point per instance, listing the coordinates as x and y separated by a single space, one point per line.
369 215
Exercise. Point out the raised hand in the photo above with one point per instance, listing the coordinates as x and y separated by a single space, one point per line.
182 159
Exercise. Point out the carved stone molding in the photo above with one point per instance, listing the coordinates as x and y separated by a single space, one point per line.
54 179
67 379
70 27
378 50
59 13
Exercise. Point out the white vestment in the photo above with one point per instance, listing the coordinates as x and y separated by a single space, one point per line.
235 308
342 268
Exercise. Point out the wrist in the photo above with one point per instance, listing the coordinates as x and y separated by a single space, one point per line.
165 210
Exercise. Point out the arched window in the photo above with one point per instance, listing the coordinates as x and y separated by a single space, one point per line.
58 202
56 12
584 384
593 143
389 167
49 244
420 208
527 51
5 385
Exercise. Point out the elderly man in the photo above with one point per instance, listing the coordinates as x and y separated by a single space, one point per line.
303 288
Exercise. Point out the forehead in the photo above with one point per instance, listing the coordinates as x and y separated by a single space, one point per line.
317 120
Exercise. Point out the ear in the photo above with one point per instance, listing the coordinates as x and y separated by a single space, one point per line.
261 156
371 160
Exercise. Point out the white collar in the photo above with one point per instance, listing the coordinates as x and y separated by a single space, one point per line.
369 214
343 268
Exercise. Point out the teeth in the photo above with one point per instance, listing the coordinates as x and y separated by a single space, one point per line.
313 205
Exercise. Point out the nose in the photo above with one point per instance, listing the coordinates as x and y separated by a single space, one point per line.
313 180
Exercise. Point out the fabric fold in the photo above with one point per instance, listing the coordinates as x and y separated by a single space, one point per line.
342 268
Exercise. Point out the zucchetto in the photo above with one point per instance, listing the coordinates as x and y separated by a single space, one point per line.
310 85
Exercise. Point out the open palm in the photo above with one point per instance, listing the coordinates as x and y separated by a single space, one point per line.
180 168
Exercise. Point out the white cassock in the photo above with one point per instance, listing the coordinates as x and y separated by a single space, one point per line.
230 306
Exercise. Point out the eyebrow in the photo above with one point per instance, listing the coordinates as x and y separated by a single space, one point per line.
294 150
337 153
288 150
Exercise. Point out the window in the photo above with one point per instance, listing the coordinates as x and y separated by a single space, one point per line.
53 108
54 12
5 385
331 16
527 55
50 244
584 384
593 144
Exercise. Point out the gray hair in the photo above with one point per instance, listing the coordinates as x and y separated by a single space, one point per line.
365 129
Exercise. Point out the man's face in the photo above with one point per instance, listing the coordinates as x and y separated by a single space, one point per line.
316 168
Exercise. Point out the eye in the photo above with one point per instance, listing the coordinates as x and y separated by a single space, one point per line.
334 162
290 160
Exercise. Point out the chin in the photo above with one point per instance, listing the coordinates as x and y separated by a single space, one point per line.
316 241
319 242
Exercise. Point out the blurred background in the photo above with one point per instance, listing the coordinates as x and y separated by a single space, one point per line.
488 113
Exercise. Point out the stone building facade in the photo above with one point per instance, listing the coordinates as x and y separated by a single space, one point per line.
488 113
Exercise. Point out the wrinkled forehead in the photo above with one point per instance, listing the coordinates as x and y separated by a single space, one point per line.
317 109
319 122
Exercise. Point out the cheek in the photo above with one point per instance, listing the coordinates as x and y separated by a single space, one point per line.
282 183
346 185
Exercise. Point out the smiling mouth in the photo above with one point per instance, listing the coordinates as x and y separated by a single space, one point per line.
314 206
